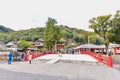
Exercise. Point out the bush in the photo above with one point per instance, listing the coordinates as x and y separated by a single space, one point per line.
39 50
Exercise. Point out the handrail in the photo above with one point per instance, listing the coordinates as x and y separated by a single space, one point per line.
35 55
103 59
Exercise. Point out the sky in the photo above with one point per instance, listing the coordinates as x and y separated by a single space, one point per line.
26 14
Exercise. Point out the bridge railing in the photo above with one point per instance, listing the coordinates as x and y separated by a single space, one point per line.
38 54
107 60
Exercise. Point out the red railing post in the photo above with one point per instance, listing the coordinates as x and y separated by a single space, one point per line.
106 60
99 57
110 64
26 57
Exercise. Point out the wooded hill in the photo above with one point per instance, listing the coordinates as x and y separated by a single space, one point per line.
73 34
5 29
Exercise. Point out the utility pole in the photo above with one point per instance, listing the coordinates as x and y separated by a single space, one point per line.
55 46
89 43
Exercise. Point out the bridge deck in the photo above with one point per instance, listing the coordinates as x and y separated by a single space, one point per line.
78 57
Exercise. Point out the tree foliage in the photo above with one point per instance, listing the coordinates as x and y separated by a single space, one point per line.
101 26
52 33
115 28
24 44
79 40
95 40
28 35
108 27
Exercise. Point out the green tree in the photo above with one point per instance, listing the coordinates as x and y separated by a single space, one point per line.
52 34
79 40
97 42
69 35
115 28
95 39
101 26
24 44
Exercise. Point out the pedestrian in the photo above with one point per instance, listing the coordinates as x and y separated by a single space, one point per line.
44 52
22 57
72 51
59 53
10 57
29 56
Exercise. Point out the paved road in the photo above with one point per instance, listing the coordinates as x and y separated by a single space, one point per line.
11 75
59 71
63 70
3 61
116 66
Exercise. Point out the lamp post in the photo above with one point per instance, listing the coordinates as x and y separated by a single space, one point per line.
55 46
89 43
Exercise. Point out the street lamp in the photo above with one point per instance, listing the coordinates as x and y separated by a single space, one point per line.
56 46
89 43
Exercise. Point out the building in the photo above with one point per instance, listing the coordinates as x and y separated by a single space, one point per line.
39 44
91 47
116 50
11 46
60 46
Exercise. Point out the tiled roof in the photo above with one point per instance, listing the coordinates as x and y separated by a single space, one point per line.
90 46
10 43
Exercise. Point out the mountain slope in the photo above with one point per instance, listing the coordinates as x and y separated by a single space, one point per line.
5 29
37 33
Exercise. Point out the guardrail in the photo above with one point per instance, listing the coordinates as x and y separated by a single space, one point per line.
107 60
35 55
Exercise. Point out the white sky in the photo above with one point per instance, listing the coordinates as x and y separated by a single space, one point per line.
26 14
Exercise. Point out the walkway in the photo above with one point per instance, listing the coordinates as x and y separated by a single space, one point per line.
76 57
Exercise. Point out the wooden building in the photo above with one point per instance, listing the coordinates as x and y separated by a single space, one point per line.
116 50
90 47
